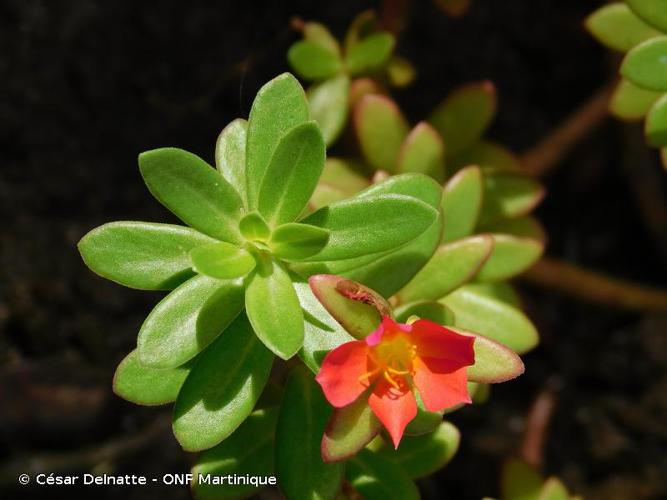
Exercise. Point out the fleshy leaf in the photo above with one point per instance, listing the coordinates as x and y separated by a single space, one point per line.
294 241
452 265
381 130
187 320
357 308
486 154
494 363
222 388
646 64
222 260
141 255
370 53
230 154
652 11
432 311
361 87
349 429
235 454
423 152
362 226
313 61
292 174
303 417
656 123
630 102
322 332
195 192
518 244
509 195
254 228
340 179
464 115
617 27
377 478
400 71
553 489
461 203
319 34
362 25
421 456
519 481
329 106
425 421
477 312
273 308
148 386
280 105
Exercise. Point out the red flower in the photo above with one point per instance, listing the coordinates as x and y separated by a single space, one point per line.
394 360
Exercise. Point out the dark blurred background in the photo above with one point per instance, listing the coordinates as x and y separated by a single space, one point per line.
86 85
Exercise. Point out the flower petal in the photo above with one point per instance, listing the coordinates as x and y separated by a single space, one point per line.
341 372
440 386
387 327
435 341
394 408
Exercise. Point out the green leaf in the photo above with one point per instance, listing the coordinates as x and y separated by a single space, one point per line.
518 244
381 130
294 241
387 272
141 255
617 27
359 316
280 105
400 71
421 456
656 123
501 291
248 451
187 320
425 421
340 179
377 478
461 203
464 115
452 265
652 11
519 481
222 260
487 155
319 34
433 311
254 228
477 312
349 430
362 25
303 416
509 195
222 388
554 489
230 155
313 61
494 363
322 332
370 54
147 386
328 106
362 226
273 308
423 152
630 102
292 174
646 64
193 191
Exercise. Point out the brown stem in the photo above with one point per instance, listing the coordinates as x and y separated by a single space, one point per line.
595 287
537 426
552 149
85 458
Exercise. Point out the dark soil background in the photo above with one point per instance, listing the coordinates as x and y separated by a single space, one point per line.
86 85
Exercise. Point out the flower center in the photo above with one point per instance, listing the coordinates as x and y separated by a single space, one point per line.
392 358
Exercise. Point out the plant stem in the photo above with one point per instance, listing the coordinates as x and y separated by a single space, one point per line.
595 287
553 148
537 426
